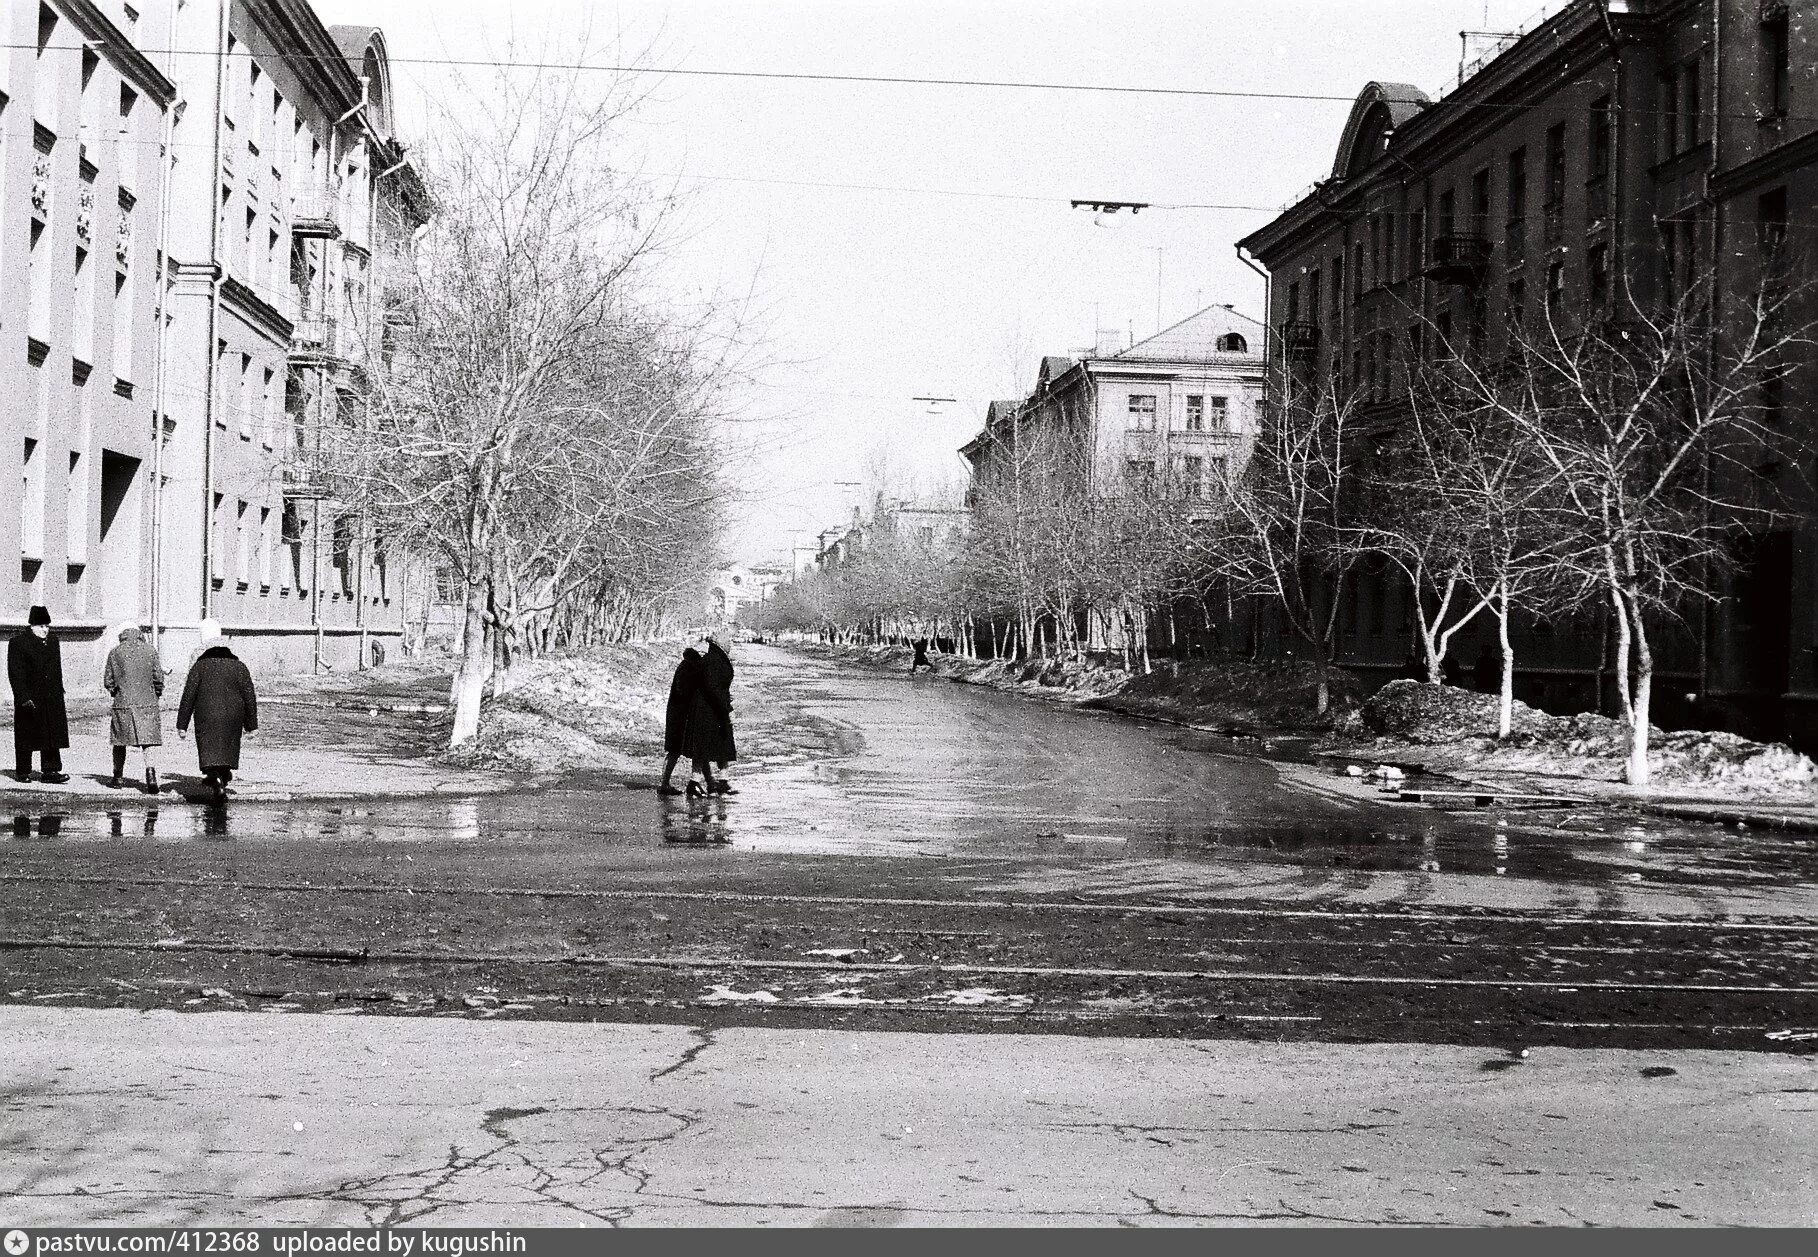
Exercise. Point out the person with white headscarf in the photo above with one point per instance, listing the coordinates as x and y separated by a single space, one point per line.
219 696
135 677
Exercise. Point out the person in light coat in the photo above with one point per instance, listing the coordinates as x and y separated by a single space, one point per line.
135 677
219 696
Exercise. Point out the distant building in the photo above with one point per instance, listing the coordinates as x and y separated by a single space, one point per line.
1173 411
185 294
737 586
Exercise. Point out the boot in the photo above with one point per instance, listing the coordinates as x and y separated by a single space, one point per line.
151 780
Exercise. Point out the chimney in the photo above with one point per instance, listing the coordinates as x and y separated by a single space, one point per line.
1110 342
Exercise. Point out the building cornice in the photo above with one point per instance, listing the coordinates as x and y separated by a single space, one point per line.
97 28
255 309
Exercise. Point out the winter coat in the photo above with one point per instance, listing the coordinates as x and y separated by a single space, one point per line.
219 695
681 698
709 732
135 677
34 665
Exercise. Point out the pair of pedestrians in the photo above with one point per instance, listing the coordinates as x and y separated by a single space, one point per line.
218 695
697 723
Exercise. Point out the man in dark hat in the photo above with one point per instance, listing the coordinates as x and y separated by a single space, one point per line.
34 665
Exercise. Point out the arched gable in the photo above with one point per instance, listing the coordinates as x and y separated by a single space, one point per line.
1379 109
364 48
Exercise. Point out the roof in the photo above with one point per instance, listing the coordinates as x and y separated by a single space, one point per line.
1196 338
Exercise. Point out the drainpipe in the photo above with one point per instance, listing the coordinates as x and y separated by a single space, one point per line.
1268 299
168 157
212 358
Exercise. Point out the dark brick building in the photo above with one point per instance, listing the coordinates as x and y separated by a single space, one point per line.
1638 141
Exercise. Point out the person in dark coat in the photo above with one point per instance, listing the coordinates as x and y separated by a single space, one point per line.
707 739
135 677
675 715
219 696
34 665
921 656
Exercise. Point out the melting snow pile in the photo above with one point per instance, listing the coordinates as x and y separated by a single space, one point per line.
1586 744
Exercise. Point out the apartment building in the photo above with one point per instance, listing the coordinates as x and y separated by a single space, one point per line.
1621 147
83 118
239 158
1168 413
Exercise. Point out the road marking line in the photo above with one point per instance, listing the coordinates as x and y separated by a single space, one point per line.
1032 905
348 955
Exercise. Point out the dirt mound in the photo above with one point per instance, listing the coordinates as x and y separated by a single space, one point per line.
599 709
1418 711
1241 693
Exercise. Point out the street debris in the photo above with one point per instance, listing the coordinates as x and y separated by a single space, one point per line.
1792 1036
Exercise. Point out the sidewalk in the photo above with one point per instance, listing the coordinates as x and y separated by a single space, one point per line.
333 736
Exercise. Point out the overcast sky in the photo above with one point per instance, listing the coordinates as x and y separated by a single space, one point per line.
875 296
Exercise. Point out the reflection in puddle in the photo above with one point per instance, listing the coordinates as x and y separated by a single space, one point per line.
699 822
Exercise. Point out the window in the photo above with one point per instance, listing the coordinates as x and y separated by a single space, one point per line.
1478 322
1691 103
268 418
1231 342
1597 274
1234 343
1776 62
1518 185
1294 302
1555 291
1216 472
1190 476
265 548
1517 303
1556 166
1480 202
1221 414
1602 124
1417 242
31 504
1770 220
245 398
1142 412
1442 327
1338 284
217 566
290 532
1448 212
1139 475
447 586
1357 265
1196 412
242 546
343 554
1668 92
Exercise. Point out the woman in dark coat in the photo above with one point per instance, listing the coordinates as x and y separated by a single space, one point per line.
675 715
135 677
708 737
34 665
219 696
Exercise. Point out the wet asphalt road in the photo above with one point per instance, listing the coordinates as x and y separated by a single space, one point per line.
912 854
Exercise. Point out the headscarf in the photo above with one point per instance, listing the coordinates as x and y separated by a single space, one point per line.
209 633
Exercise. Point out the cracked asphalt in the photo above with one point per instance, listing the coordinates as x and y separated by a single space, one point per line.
1218 989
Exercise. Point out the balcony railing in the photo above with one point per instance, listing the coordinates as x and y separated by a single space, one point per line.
315 211
1300 340
1458 259
315 336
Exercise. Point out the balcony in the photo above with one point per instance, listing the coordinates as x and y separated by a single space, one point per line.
315 211
1300 340
1458 259
316 337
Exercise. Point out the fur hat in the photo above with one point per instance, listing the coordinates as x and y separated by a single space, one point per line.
39 615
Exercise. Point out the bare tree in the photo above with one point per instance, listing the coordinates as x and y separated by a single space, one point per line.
1661 442
536 415
1290 533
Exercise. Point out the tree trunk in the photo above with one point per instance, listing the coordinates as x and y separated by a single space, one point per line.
1622 658
1505 707
1638 772
470 677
